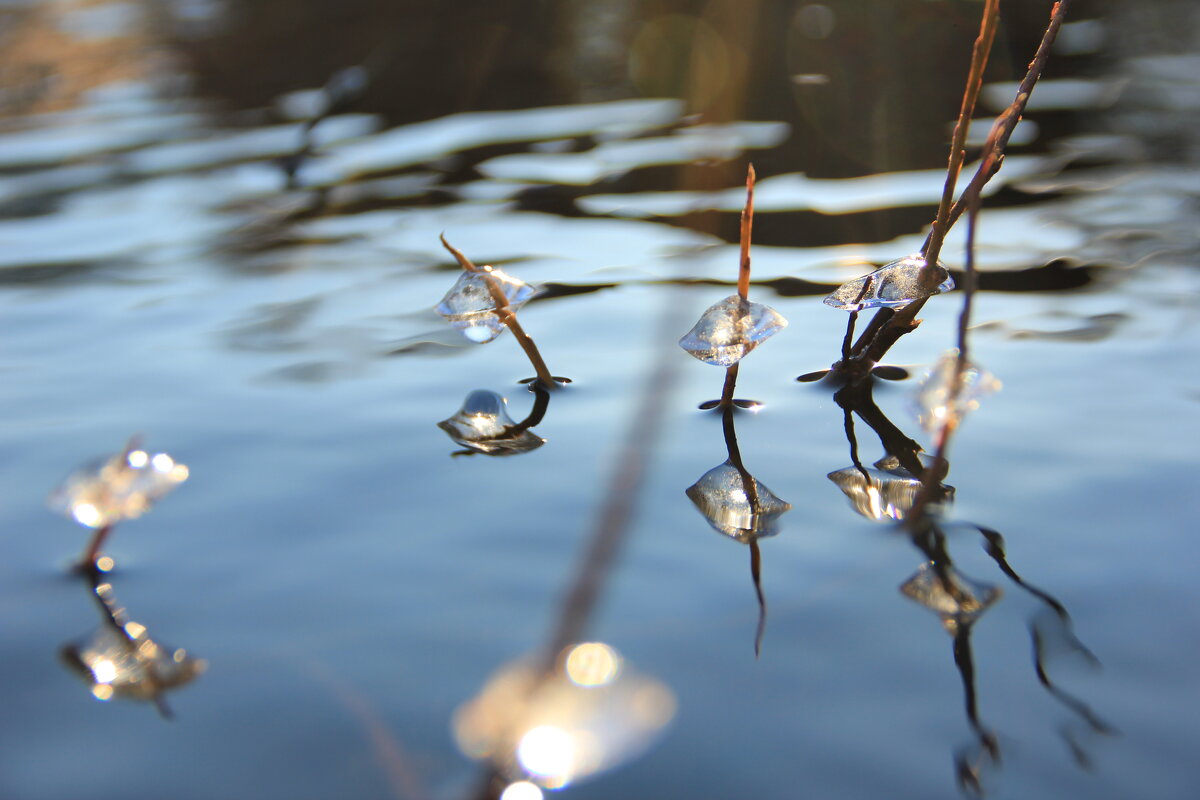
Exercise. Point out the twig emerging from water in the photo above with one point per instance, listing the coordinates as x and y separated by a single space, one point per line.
743 286
979 59
87 563
747 224
507 316
888 327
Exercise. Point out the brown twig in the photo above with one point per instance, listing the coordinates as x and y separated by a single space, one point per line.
731 373
507 316
92 553
879 338
747 224
979 59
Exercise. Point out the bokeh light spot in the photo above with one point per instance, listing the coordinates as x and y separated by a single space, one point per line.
522 790
592 664
548 753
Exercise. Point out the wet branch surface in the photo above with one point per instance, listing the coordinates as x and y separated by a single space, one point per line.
888 326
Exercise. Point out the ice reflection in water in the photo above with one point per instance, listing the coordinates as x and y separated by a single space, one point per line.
894 285
939 401
592 714
958 600
121 660
720 495
483 425
885 493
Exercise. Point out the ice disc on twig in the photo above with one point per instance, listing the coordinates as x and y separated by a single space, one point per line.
122 487
471 305
591 714
894 285
943 397
951 595
730 329
483 425
721 496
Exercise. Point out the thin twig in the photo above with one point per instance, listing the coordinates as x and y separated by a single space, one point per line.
1002 129
869 351
731 373
507 316
747 225
92 553
979 59
867 283
747 220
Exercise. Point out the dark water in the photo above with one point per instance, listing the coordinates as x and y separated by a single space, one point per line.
173 262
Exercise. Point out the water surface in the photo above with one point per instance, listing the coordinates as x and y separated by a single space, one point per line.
180 259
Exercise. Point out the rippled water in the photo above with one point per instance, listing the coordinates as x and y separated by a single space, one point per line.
257 299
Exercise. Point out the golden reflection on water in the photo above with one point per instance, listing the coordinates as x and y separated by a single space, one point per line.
120 659
522 790
587 716
592 664
551 754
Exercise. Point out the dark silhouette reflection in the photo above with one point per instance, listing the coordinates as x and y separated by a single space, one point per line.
483 425
905 486
121 660
736 504
1052 635
960 602
890 489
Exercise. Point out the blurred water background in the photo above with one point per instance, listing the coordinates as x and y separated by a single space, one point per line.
219 226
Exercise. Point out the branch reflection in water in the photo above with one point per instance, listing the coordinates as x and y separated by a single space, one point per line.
728 330
483 426
572 708
736 504
892 492
121 660
591 713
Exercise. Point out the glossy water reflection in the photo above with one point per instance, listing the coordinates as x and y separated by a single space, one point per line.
905 488
592 715
121 660
219 224
483 425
